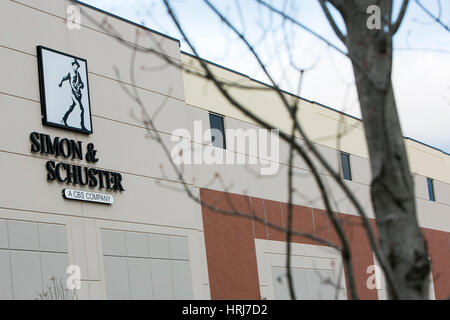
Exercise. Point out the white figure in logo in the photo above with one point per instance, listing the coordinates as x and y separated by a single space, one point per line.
76 84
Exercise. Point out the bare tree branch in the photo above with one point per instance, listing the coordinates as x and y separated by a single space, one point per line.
400 17
301 25
435 18
336 30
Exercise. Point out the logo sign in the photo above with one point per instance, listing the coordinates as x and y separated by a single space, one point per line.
64 90
82 195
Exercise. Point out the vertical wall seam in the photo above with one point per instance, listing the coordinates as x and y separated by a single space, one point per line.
252 215
10 260
265 220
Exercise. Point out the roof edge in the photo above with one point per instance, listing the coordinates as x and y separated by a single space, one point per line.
268 85
125 20
301 98
427 145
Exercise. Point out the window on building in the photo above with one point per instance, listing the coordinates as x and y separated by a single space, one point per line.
430 189
217 131
345 163
31 255
312 279
146 266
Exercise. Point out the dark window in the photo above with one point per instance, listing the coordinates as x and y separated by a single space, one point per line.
345 162
430 189
217 131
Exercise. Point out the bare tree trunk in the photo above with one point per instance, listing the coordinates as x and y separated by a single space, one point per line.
392 188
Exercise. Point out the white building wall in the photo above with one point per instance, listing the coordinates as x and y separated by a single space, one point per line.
317 271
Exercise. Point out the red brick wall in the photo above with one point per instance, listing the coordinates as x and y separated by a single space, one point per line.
439 251
231 254
230 248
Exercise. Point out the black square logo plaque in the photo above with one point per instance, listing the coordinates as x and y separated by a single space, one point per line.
64 90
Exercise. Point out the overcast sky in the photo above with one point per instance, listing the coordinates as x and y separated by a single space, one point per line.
421 68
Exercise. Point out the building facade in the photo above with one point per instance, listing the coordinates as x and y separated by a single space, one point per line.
88 191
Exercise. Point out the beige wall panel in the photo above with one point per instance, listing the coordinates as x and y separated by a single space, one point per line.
242 179
421 186
93 20
203 94
244 127
327 131
340 201
200 255
197 252
298 160
92 250
433 215
362 193
78 253
360 168
40 28
332 157
197 114
442 192
84 292
307 193
264 186
54 7
22 74
24 186
128 149
95 290
232 178
197 216
110 100
428 162
107 55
